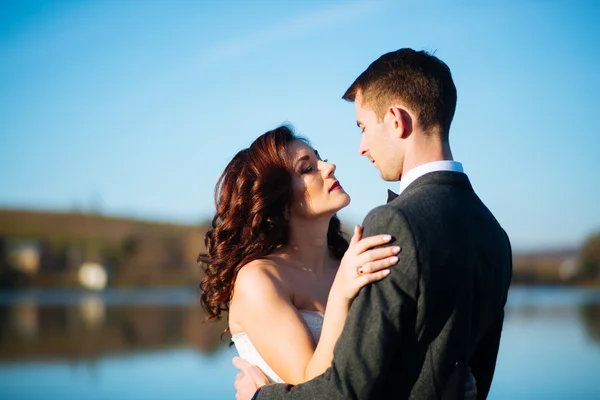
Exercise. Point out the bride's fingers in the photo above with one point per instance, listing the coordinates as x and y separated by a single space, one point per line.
364 280
375 266
356 235
371 241
378 254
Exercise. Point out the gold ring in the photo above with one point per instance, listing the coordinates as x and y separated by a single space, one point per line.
359 271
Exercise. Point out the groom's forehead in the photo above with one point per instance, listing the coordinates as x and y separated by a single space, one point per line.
362 110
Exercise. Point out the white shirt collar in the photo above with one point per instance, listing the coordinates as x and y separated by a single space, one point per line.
417 172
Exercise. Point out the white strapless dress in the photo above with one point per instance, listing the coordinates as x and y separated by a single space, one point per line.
246 350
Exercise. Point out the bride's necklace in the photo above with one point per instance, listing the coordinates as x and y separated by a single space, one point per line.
306 269
298 265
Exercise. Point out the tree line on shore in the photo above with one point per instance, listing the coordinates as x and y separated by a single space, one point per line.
46 249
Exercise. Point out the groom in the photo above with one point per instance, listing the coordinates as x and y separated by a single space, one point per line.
415 334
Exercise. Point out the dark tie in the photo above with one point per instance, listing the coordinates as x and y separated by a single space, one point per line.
391 196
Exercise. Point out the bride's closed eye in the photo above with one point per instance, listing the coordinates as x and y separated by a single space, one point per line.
310 168
306 170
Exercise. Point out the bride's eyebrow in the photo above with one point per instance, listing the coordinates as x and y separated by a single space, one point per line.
303 158
307 157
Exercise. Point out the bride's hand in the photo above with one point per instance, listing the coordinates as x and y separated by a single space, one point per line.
361 266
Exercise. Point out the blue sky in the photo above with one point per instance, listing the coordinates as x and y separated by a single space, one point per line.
134 108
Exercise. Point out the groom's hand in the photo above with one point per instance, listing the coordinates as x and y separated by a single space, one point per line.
470 387
249 380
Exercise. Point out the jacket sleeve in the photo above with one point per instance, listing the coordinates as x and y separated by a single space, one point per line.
374 326
483 361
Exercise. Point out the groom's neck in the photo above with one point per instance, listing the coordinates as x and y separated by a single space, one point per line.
424 150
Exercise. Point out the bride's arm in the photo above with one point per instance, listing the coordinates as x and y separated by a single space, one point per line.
333 324
262 305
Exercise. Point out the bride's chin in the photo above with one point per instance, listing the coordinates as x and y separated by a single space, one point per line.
344 204
348 200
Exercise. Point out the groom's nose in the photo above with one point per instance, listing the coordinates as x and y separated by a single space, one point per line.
362 147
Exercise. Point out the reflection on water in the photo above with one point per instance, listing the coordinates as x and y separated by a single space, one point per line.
550 346
153 344
85 325
590 315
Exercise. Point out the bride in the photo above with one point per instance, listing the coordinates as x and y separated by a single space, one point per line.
277 261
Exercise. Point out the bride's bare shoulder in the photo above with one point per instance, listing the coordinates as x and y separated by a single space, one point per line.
258 272
258 277
257 283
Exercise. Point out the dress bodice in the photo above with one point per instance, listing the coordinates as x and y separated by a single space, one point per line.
246 350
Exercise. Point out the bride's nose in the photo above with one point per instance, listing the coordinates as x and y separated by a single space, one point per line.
328 169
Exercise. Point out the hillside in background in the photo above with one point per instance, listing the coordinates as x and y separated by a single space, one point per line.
48 248
550 266
42 248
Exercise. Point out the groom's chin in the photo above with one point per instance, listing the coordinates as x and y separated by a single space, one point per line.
389 178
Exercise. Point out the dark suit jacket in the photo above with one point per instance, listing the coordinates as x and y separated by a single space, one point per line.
414 334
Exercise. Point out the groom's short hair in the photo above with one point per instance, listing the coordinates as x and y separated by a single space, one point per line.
417 79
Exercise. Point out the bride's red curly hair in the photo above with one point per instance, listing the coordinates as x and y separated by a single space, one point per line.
253 199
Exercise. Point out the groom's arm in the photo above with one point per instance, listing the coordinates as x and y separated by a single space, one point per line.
374 326
483 361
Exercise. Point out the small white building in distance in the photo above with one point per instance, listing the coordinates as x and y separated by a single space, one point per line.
92 276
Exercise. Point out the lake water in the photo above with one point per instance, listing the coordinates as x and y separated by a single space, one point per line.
152 344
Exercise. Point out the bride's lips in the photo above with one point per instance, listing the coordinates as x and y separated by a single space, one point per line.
336 185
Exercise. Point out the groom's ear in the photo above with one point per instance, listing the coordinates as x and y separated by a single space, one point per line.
401 121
